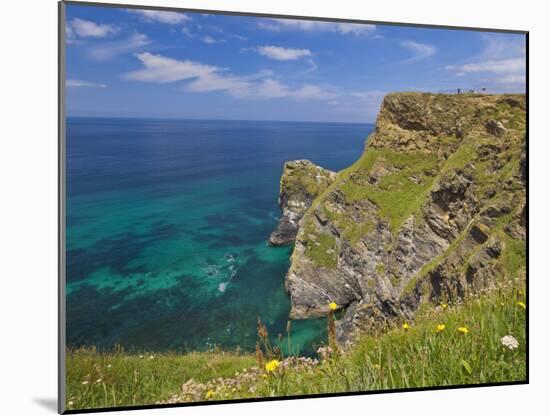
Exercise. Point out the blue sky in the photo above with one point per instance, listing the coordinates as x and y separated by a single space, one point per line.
159 64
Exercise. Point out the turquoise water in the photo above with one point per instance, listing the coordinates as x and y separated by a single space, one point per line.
167 223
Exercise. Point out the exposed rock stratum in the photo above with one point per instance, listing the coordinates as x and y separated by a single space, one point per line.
434 209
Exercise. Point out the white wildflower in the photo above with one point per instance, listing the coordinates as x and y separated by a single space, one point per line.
85 382
510 342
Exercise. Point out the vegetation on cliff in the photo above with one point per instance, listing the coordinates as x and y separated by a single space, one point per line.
480 340
301 182
419 249
433 209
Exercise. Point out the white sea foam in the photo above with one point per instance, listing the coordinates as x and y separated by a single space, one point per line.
221 270
274 216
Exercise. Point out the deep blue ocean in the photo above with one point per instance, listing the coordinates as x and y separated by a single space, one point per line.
167 223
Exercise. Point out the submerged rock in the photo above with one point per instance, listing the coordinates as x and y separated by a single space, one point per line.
433 210
301 183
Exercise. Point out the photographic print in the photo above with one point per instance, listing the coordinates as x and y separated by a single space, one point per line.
258 207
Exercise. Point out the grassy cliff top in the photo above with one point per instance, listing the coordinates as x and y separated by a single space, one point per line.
431 350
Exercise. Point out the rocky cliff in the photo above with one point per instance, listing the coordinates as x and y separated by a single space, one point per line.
301 182
434 209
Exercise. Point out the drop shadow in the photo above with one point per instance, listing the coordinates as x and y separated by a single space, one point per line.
48 403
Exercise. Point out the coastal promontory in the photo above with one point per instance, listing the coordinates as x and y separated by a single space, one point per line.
433 210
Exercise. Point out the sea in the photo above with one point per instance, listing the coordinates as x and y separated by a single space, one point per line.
167 223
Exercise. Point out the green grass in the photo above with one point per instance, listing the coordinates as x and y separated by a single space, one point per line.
393 358
463 155
422 357
396 194
321 247
117 378
515 254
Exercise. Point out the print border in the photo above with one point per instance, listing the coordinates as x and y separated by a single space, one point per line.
62 205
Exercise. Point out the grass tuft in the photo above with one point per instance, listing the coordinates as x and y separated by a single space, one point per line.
466 349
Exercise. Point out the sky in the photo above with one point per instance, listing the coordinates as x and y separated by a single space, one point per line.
165 64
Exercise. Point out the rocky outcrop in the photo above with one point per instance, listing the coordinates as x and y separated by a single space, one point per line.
433 210
301 183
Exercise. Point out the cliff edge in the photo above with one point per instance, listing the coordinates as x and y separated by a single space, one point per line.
301 182
434 209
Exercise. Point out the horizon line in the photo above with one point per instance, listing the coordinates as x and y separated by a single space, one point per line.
212 119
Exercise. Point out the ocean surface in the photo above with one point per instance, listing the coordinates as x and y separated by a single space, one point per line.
167 223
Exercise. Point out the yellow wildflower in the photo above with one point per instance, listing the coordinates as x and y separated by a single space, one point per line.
333 306
272 365
522 304
209 394
501 304
440 327
376 366
443 306
406 326
463 330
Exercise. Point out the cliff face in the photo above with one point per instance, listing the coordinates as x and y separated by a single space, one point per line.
302 181
433 210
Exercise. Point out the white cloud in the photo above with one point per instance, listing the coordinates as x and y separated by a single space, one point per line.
85 28
187 32
313 92
271 88
317 26
366 104
161 69
500 65
214 81
512 80
209 40
159 16
206 78
496 46
75 83
108 50
312 66
418 50
283 54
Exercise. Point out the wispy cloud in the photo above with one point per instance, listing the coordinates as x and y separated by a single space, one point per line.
76 83
283 54
86 28
108 50
312 66
512 80
417 50
208 33
500 64
316 26
208 39
159 16
366 103
314 92
161 69
201 77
